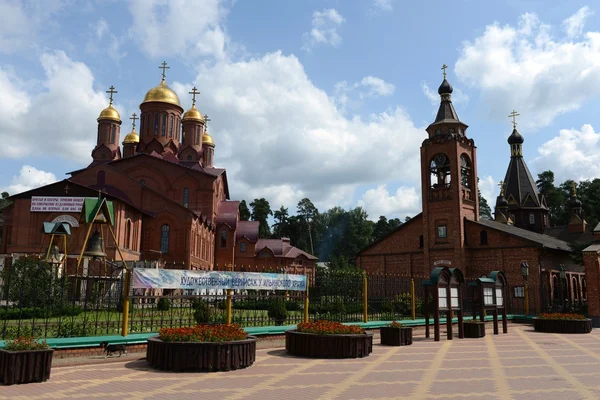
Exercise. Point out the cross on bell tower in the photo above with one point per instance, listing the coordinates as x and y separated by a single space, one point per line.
194 92
514 116
444 66
112 91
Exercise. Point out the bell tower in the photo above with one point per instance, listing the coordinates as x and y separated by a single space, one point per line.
448 184
109 129
193 127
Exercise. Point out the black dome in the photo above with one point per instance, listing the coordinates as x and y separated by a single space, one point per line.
575 202
515 138
501 201
445 88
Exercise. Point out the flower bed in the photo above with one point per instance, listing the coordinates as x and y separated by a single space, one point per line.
562 323
474 329
202 348
395 335
325 339
25 360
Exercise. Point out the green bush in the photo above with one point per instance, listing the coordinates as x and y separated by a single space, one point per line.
277 312
39 313
202 311
293 305
119 307
163 304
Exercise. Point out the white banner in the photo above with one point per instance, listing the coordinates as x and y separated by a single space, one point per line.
56 204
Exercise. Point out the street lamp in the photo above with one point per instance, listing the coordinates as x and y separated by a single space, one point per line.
525 275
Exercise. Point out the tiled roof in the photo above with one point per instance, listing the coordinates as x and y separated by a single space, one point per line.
227 213
562 233
281 248
544 240
247 229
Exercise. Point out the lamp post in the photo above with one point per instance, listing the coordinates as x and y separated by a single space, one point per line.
563 276
525 275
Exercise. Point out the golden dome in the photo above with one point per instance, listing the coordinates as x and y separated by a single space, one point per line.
110 113
193 114
207 139
132 137
162 93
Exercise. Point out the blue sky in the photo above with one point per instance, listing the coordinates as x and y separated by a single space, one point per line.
326 99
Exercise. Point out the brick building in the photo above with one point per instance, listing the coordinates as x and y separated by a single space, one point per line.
171 203
449 232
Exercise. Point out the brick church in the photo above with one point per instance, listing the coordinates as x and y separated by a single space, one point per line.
449 231
171 203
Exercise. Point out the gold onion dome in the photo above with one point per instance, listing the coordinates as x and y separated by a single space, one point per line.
207 139
110 113
193 114
162 93
132 137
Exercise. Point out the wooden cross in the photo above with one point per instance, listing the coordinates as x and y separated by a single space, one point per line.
206 119
164 67
514 115
444 66
194 92
501 184
134 117
67 188
111 90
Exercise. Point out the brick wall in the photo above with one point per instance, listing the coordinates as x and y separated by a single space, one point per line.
591 261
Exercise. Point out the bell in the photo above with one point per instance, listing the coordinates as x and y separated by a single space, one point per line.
95 247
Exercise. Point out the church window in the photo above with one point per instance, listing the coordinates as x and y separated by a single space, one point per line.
243 247
531 218
189 158
163 130
142 124
224 238
113 133
483 237
197 140
164 239
127 244
421 245
439 169
171 127
442 231
186 197
143 182
451 130
465 170
438 132
156 124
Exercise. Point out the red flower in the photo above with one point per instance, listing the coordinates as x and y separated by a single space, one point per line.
561 316
23 343
203 333
329 328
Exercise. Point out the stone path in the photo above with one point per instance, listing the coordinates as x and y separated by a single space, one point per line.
519 365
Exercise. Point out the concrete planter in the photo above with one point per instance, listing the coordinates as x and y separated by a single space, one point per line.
328 346
25 366
562 325
201 356
396 336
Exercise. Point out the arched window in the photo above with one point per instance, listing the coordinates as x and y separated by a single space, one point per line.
575 288
171 127
439 169
421 245
186 197
164 239
197 137
113 133
163 131
531 218
465 171
483 237
127 244
243 247
142 124
583 288
156 124
555 289
224 238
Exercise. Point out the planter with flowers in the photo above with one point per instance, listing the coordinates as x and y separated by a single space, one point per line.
202 348
326 339
25 360
562 323
473 328
396 334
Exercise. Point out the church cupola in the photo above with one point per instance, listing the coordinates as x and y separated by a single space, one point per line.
193 128
577 222
526 204
131 139
446 120
160 120
501 209
109 129
208 152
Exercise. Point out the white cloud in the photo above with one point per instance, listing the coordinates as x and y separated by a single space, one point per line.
29 178
166 28
458 96
104 41
524 67
573 154
573 25
367 87
379 201
489 190
324 30
58 121
277 133
381 5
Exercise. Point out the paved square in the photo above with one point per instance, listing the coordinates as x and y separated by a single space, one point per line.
520 365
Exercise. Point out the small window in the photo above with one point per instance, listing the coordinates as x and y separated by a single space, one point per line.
186 197
189 158
442 231
197 141
224 238
156 124
438 132
483 237
243 247
164 239
451 130
531 218
143 182
421 245
171 127
113 133
163 131
488 296
499 297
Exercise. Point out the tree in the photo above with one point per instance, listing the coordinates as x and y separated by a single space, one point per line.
485 212
281 226
261 210
407 218
555 198
4 202
307 211
244 211
384 227
31 283
346 233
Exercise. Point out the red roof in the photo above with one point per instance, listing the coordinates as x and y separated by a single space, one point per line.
282 248
247 229
228 213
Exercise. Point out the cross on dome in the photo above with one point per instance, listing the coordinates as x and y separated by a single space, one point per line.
134 117
444 66
501 184
194 92
111 90
164 67
514 116
206 119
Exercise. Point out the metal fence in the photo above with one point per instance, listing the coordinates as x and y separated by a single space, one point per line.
41 300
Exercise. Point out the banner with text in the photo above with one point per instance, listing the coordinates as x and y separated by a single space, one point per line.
144 278
56 204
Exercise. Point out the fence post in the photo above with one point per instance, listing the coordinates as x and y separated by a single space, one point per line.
526 299
365 299
125 321
306 301
229 295
413 310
